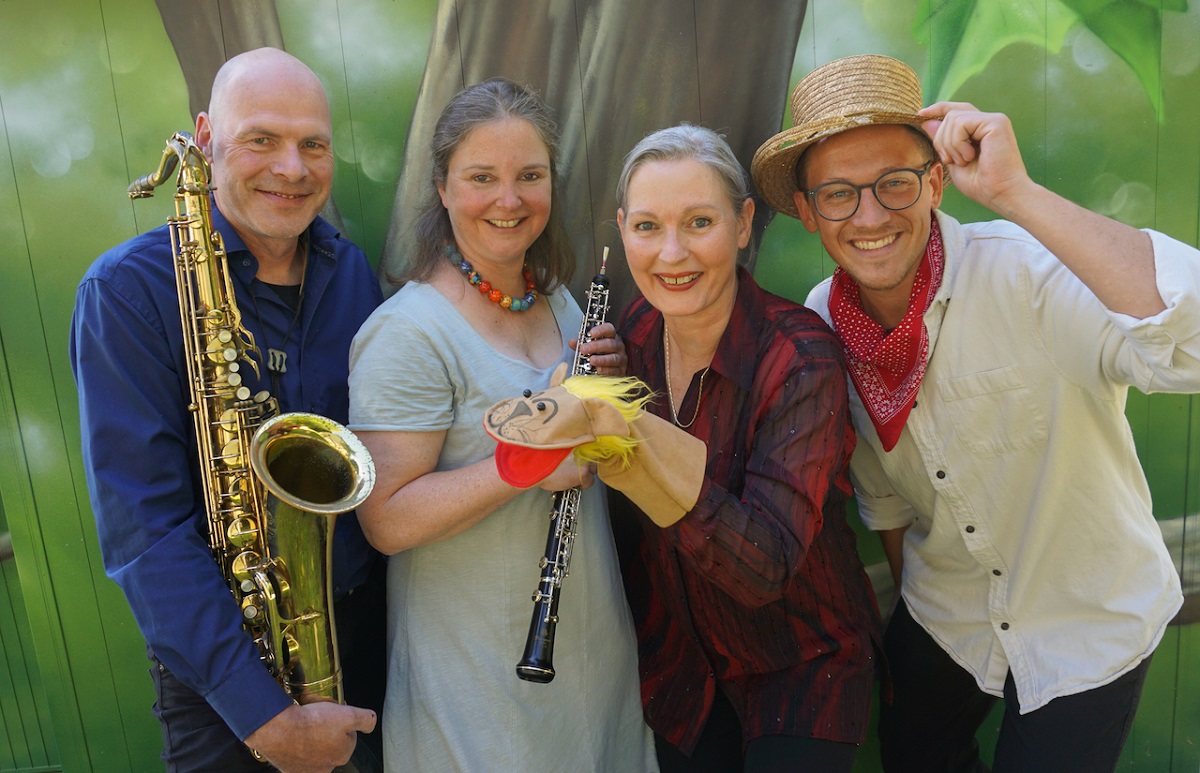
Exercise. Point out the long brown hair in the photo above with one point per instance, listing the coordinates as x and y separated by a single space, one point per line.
550 256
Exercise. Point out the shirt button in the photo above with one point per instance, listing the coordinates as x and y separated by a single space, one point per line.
996 572
941 473
970 530
1004 626
914 403
246 262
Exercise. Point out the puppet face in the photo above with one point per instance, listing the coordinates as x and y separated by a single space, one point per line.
553 418
537 431
531 421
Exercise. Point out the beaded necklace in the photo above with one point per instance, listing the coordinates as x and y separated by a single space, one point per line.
485 287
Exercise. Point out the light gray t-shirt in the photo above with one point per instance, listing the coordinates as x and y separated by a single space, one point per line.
459 609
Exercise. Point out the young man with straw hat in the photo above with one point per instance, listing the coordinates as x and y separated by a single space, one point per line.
991 363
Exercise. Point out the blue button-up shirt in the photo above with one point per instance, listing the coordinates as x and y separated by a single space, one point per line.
139 445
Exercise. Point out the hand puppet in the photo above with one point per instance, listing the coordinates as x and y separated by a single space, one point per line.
600 419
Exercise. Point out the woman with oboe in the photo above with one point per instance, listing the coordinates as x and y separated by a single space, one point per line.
754 602
483 313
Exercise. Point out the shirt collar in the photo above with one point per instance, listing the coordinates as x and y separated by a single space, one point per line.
321 234
736 358
952 243
233 243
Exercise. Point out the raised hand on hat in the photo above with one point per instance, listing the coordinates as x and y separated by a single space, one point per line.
981 152
1114 260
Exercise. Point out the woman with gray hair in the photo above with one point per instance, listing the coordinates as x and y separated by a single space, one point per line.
757 627
483 313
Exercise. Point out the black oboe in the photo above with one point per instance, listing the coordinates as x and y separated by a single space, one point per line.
537 664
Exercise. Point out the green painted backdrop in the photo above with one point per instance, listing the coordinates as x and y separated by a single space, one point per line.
1105 108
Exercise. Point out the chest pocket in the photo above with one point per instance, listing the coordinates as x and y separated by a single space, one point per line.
994 412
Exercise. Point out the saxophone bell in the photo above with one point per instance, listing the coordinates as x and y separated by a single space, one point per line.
313 469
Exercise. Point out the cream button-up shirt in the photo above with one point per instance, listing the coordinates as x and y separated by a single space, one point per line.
1032 544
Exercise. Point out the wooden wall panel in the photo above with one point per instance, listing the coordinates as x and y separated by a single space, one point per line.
26 729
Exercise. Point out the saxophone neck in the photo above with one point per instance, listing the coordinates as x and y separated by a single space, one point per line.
182 153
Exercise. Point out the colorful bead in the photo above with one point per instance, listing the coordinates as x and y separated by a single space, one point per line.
485 287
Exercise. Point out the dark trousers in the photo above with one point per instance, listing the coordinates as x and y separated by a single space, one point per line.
195 738
930 725
719 750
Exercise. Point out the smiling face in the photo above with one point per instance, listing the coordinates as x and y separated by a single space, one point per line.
497 192
270 140
880 249
681 236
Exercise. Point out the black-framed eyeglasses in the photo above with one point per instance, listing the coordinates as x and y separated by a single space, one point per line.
895 190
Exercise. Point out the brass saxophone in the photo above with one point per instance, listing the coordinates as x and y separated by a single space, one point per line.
537 662
273 484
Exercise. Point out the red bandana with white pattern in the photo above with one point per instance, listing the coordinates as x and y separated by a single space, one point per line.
887 368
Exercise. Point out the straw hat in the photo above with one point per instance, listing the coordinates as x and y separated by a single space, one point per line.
843 94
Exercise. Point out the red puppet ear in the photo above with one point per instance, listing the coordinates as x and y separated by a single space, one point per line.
523 467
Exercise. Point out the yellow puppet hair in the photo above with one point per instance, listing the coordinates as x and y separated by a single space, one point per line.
625 393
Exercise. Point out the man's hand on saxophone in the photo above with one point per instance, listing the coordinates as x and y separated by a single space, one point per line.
311 738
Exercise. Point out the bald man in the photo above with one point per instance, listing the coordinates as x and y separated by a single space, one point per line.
303 291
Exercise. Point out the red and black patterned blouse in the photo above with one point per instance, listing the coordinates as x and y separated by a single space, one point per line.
759 590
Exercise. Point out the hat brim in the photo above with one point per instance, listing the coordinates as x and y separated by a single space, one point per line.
774 164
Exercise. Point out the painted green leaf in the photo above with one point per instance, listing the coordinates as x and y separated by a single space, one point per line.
963 35
1132 29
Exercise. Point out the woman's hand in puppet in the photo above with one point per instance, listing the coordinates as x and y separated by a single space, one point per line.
599 420
569 473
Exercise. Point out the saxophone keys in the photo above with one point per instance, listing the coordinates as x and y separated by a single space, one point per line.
251 609
231 452
282 587
218 351
243 567
242 532
292 652
227 422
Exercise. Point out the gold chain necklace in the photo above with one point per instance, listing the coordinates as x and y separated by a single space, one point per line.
670 395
